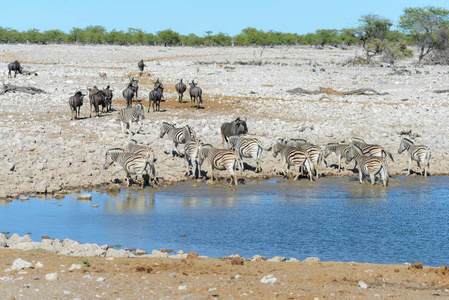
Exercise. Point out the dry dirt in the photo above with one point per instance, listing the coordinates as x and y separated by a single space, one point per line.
193 278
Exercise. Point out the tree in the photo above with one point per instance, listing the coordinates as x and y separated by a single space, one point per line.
372 33
168 37
425 25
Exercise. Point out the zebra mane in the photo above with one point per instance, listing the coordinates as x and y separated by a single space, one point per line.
357 148
407 140
168 124
357 140
115 150
132 141
139 106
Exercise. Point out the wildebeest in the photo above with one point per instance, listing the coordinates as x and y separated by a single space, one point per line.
128 94
107 92
236 127
75 103
180 89
195 94
134 84
155 97
14 66
141 65
159 84
96 98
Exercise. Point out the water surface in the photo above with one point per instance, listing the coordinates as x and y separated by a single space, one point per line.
335 219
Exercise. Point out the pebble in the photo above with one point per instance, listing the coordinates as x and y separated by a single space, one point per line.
51 277
269 279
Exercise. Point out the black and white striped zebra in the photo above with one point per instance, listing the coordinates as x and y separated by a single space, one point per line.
371 149
339 149
292 156
146 151
368 165
219 159
248 148
128 116
419 153
191 151
174 134
314 151
133 164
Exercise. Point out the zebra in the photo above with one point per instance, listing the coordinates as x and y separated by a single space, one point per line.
175 134
247 147
146 151
133 164
219 159
191 150
292 156
314 151
131 114
419 153
339 149
368 165
370 149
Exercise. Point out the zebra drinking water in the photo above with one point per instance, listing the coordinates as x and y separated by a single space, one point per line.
419 153
219 159
130 115
292 156
247 147
131 163
174 134
368 165
339 149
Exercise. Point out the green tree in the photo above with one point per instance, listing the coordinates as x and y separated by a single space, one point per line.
94 34
426 25
34 36
168 37
372 33
76 35
54 36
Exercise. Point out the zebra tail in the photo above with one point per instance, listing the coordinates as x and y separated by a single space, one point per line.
309 165
389 154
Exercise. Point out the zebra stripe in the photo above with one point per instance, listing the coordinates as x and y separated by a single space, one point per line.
175 134
339 149
132 164
419 153
145 151
248 148
370 149
191 150
292 156
130 115
368 165
219 159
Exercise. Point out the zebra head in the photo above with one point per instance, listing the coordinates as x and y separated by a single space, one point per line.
277 148
405 144
111 156
165 128
329 148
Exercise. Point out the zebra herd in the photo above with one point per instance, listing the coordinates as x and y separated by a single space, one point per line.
305 158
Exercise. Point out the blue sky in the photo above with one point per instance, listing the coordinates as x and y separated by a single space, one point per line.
196 16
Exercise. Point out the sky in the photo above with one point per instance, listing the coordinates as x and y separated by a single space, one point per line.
199 16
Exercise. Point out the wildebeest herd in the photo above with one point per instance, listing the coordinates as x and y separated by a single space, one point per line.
305 158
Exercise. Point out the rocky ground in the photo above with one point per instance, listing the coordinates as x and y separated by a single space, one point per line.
43 151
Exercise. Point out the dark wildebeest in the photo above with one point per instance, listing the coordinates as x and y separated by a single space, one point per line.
158 84
96 98
134 84
141 65
75 103
180 88
155 96
128 94
195 94
237 127
107 92
14 66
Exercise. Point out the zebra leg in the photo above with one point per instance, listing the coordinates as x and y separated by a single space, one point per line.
409 165
212 173
360 176
187 167
122 126
373 178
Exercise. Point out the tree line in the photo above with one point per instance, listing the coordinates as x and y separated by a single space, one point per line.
426 27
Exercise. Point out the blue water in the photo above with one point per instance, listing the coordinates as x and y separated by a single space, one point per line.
335 219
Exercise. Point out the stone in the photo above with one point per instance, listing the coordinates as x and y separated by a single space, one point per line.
139 252
237 260
157 253
269 279
20 264
51 276
312 259
277 259
3 240
74 267
363 285
258 258
38 265
192 255
85 197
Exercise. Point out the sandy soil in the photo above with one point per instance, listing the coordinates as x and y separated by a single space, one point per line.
193 278
42 151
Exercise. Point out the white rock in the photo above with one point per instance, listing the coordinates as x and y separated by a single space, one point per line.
38 265
363 285
51 276
182 287
74 267
20 264
269 279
